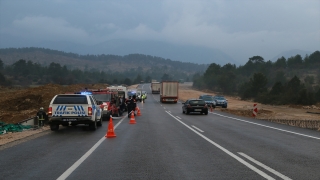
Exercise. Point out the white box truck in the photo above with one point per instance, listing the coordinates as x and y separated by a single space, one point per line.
169 91
155 87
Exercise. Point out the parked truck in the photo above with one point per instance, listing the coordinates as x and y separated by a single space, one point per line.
169 91
155 87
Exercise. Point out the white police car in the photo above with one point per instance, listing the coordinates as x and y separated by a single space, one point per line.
74 109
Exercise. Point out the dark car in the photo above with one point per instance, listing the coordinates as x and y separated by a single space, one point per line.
209 100
195 105
221 101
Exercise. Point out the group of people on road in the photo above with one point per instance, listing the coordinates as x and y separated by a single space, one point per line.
118 106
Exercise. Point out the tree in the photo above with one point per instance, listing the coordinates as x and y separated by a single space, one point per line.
256 59
2 79
1 65
148 79
280 77
277 89
294 62
166 77
258 83
127 81
309 79
281 63
138 79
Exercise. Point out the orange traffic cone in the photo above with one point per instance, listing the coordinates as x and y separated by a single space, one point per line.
132 119
110 133
139 113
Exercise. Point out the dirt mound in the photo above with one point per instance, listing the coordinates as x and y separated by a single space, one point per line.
17 104
247 112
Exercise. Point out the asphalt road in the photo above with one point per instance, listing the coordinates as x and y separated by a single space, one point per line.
166 144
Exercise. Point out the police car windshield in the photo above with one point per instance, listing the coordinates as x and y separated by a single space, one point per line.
102 97
70 99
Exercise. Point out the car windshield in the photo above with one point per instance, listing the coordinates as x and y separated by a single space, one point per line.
207 98
102 97
196 102
220 98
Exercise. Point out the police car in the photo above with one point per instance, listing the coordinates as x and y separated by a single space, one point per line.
74 109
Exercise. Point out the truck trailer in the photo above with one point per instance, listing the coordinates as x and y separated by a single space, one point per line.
155 87
169 91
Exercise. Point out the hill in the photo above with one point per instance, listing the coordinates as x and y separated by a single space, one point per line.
102 62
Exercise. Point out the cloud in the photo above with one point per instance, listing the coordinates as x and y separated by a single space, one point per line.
239 28
47 28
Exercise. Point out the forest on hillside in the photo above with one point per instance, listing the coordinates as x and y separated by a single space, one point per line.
26 73
286 81
102 62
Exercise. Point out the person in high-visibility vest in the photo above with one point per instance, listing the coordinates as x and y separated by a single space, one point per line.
144 97
42 116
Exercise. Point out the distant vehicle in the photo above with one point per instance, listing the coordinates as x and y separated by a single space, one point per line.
139 95
195 105
209 100
169 91
131 92
155 87
221 101
74 109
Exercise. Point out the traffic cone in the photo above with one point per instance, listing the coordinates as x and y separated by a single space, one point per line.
139 113
132 119
110 132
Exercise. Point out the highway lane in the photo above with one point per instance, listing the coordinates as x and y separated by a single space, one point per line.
166 144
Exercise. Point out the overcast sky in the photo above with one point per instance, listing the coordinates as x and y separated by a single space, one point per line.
240 28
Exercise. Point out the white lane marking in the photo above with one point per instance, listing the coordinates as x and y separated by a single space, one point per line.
261 173
268 126
264 166
178 117
197 128
85 156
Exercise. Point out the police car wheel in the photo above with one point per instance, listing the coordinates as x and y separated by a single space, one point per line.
93 126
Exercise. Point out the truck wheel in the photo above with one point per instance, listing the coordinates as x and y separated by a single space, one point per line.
54 127
93 126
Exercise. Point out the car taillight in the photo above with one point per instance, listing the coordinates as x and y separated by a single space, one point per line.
89 111
49 111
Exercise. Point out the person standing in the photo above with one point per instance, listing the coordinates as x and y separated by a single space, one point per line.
42 116
129 106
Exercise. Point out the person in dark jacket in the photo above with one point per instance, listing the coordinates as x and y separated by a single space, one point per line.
42 117
129 104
